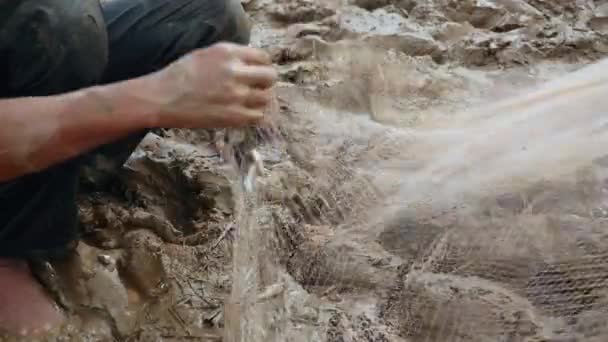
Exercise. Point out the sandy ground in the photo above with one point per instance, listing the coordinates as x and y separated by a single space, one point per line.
156 261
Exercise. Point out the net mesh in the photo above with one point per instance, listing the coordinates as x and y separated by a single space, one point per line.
351 237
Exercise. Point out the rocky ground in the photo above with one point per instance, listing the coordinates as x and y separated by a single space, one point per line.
169 242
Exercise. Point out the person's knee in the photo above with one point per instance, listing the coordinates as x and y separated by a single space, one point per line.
237 28
53 46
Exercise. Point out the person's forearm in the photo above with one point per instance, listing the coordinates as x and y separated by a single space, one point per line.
38 132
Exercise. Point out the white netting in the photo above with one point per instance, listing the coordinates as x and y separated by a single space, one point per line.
488 227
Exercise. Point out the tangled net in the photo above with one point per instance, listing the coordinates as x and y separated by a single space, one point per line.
490 227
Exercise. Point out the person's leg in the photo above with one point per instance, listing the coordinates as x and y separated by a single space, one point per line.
46 47
146 35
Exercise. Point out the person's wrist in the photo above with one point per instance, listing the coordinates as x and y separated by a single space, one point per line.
157 98
127 102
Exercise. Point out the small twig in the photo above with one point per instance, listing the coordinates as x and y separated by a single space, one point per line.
223 236
179 284
178 318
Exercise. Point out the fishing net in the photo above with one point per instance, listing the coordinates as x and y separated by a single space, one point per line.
490 226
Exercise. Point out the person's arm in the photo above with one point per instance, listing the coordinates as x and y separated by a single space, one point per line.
37 132
225 85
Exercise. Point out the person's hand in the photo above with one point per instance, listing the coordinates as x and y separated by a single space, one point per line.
225 85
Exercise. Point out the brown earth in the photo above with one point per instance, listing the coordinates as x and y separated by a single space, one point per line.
168 241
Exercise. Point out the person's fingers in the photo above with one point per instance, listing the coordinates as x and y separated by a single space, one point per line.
253 56
256 76
258 98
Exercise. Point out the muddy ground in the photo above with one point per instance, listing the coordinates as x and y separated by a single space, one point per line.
156 261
